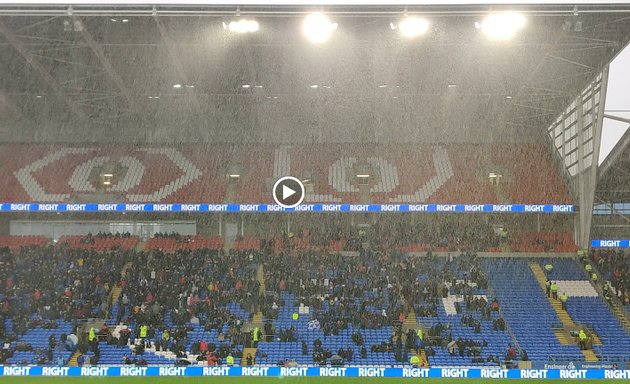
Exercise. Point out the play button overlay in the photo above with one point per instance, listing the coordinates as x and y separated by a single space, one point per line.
288 192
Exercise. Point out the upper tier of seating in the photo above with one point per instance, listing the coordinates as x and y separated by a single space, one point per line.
17 242
100 243
171 244
542 242
193 174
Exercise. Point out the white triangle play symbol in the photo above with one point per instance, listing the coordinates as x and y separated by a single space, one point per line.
287 192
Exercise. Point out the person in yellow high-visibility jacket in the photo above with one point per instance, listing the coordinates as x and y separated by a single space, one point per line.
255 334
229 360
415 360
583 337
143 331
554 290
420 334
563 300
92 335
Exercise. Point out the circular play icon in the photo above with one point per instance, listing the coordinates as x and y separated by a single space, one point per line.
288 192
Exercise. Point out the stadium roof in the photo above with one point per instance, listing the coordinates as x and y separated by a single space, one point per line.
102 74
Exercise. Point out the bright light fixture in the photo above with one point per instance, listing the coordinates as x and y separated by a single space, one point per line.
314 86
318 28
363 176
177 85
412 26
502 25
234 175
246 86
242 26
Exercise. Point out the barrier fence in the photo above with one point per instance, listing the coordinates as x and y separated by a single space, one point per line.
151 207
260 371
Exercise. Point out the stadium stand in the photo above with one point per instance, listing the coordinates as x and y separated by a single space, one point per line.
193 174
16 242
173 243
308 304
100 242
542 242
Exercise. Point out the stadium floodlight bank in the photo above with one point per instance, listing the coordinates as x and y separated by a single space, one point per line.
300 2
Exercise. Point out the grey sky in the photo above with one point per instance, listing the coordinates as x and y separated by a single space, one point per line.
617 102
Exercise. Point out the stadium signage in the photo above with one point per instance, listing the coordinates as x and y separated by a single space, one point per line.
133 371
573 373
332 372
55 371
371 372
269 371
293 371
216 371
455 373
16 371
534 374
255 371
94 371
613 374
610 243
494 373
415 372
177 207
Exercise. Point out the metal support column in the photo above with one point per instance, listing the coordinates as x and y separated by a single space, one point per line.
587 176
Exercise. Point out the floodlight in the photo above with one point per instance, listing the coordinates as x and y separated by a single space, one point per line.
502 25
412 26
318 28
242 26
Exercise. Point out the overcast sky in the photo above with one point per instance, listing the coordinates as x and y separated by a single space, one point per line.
617 102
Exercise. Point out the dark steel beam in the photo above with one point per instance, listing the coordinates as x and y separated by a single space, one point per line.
41 71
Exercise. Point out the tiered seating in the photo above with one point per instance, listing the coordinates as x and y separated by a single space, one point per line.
586 307
527 310
595 314
193 174
170 244
542 242
38 339
99 243
277 350
17 242
530 182
247 243
532 319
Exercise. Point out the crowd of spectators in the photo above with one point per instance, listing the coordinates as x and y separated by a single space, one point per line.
42 285
615 265
164 294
